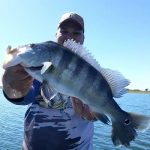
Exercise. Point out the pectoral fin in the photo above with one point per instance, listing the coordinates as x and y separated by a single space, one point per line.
45 67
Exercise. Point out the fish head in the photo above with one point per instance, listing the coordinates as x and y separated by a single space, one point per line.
32 57
35 55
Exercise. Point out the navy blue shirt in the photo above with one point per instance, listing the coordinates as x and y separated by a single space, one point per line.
48 128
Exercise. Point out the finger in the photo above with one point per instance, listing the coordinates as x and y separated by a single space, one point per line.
14 68
16 72
86 113
83 110
77 105
26 77
17 69
22 85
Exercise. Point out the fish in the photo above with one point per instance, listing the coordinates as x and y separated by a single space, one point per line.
71 69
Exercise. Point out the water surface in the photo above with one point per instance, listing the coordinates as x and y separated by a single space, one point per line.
11 124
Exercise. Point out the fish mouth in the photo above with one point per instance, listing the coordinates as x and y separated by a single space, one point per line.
34 68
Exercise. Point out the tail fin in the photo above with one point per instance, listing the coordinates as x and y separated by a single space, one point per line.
124 132
141 122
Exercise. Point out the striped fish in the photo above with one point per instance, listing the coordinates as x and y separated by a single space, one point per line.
71 70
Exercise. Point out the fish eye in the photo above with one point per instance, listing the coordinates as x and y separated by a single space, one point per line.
127 122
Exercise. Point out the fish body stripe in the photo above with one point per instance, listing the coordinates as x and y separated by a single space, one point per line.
63 63
95 82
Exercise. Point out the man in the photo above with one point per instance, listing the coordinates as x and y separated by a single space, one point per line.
55 126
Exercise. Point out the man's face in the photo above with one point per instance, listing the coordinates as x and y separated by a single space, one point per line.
69 30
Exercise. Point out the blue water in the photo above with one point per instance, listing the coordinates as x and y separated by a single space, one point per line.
11 124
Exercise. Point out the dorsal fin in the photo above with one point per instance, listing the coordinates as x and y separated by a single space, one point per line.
115 79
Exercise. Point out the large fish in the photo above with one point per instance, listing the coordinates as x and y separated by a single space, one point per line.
71 70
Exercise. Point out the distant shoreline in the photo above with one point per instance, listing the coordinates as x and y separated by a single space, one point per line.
129 91
138 91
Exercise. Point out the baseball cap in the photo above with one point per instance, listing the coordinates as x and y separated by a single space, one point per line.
72 17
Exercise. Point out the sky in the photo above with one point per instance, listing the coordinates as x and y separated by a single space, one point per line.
117 32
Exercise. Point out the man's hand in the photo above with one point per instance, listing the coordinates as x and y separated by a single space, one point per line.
83 110
16 82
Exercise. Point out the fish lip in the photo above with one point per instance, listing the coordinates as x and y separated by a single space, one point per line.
34 68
